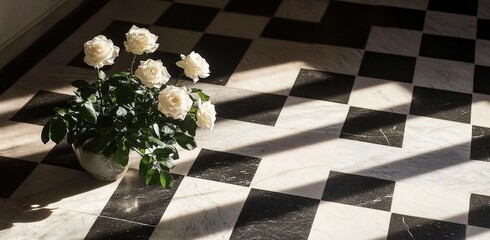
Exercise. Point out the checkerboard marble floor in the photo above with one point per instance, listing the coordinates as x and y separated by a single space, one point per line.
354 119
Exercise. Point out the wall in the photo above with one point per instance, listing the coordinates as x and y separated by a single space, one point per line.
23 21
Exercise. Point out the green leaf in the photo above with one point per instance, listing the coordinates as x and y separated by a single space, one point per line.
144 163
174 151
86 92
57 130
60 111
166 179
156 129
92 98
185 141
104 88
45 133
88 113
124 95
71 137
122 155
103 142
169 163
152 176
162 153
201 94
189 125
80 83
155 141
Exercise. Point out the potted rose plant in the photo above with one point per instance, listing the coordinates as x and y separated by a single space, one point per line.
136 111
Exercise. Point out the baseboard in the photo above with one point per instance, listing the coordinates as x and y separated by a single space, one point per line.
19 42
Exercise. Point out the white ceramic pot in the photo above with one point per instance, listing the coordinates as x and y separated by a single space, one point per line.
101 167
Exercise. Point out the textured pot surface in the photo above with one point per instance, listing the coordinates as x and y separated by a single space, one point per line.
101 167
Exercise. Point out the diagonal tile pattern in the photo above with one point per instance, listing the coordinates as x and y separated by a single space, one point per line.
343 119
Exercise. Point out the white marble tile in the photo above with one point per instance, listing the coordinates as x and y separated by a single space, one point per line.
431 202
450 24
338 222
480 110
237 25
394 41
57 187
308 163
437 139
42 223
477 233
482 52
382 95
208 3
303 10
14 99
175 40
415 4
306 114
444 74
201 209
23 141
272 66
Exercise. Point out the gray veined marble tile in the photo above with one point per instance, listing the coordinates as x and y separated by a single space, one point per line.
201 209
450 24
482 52
394 40
444 74
309 10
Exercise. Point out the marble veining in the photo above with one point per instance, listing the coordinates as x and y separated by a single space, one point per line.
342 119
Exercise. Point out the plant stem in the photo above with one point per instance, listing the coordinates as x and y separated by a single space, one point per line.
179 81
132 63
100 92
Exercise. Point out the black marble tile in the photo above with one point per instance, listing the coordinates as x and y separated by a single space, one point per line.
134 201
372 126
224 167
261 108
333 87
255 7
359 191
338 27
108 228
468 7
62 155
39 109
481 80
388 66
480 144
116 31
408 227
479 214
13 172
483 31
223 55
441 104
452 48
189 17
273 215
397 17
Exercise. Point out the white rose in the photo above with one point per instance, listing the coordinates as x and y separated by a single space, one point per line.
100 51
194 66
152 73
140 40
206 115
174 102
